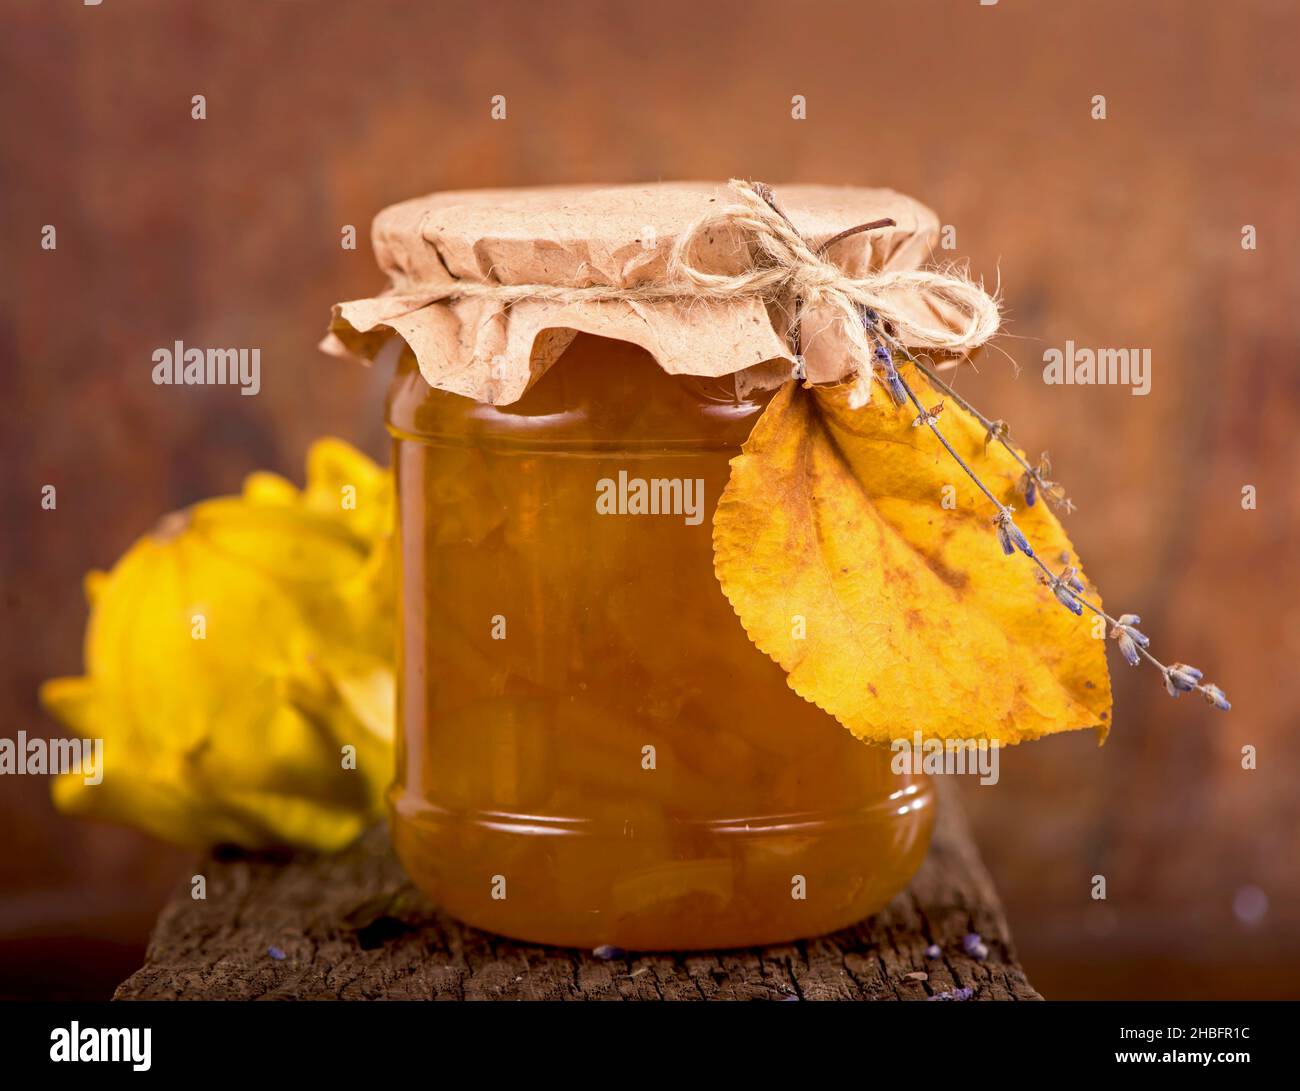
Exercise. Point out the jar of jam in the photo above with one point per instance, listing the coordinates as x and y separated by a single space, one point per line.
590 749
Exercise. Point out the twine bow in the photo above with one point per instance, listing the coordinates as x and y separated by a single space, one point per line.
790 269
790 273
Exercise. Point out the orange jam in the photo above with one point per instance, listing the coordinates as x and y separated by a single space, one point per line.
591 751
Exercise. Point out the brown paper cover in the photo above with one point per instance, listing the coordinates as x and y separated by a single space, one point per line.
622 236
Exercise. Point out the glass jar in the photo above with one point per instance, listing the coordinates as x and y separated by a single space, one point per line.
591 751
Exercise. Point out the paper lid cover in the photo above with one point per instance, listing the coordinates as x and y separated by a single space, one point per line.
580 236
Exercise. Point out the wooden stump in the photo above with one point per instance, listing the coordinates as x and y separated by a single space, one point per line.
352 927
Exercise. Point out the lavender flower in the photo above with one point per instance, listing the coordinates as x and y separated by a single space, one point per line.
1009 536
973 945
1066 598
953 994
605 951
1215 696
1035 479
1180 679
1129 638
1027 486
884 358
1126 647
1066 587
933 951
892 380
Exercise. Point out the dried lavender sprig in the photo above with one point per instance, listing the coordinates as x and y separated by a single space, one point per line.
996 429
929 421
882 356
1179 678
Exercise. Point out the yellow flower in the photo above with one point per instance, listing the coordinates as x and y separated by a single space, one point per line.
239 666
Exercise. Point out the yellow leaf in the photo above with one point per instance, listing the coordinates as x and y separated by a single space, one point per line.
913 619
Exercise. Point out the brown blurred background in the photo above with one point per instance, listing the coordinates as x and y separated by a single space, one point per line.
1122 232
